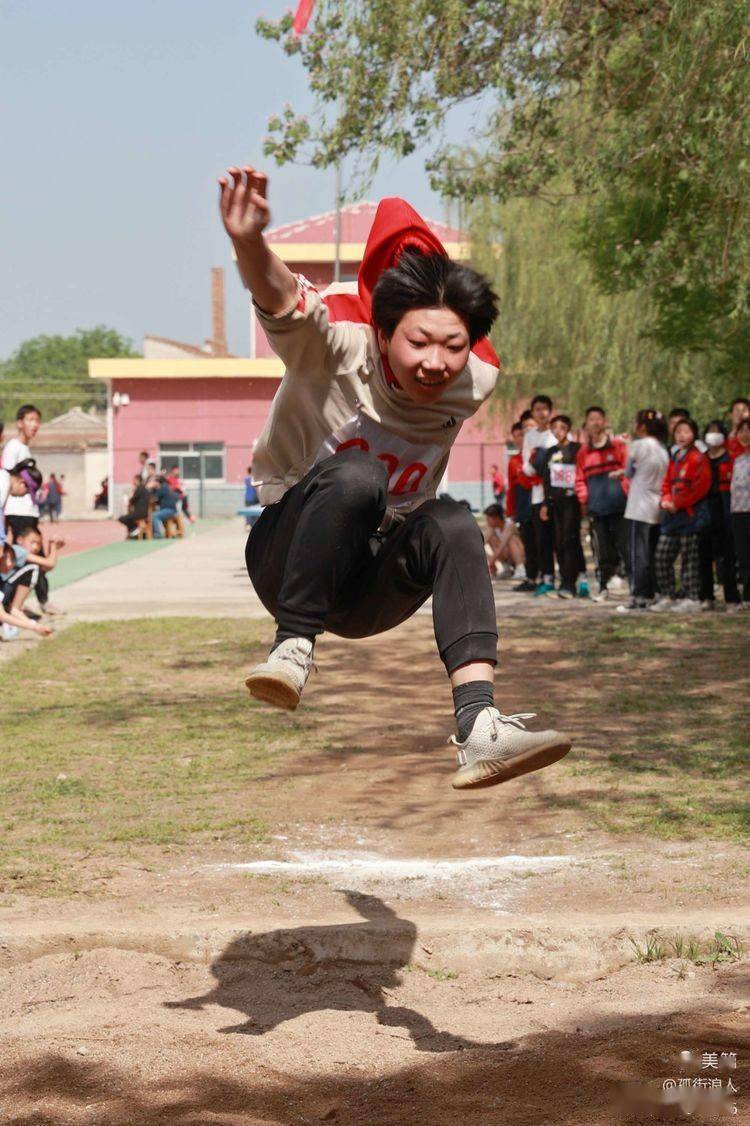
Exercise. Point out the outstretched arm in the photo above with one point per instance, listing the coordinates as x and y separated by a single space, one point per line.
245 214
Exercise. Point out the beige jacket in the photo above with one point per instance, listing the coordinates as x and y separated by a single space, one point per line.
334 392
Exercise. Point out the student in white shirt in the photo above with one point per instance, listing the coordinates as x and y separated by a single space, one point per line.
536 442
352 539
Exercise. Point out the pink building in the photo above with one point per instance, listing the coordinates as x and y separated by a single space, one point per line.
201 408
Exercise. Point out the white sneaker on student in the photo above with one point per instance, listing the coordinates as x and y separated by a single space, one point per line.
500 748
9 632
686 606
602 596
662 604
279 680
520 572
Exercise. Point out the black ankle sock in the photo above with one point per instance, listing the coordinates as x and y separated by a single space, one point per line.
285 635
468 701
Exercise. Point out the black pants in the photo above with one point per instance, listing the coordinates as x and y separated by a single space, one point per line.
642 541
716 547
566 516
741 533
528 536
545 543
22 576
609 545
315 565
17 525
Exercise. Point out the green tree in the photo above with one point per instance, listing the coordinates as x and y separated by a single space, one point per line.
558 333
639 107
52 371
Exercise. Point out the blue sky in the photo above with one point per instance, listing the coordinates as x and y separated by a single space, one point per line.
117 119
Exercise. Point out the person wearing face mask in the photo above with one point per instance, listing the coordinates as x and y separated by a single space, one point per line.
717 541
352 539
685 516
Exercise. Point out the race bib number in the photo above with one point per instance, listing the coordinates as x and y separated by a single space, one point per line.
562 476
411 467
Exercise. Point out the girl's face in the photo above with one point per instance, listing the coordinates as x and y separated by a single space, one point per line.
427 352
683 435
560 430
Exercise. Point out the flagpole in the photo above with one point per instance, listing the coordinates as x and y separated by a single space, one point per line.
337 226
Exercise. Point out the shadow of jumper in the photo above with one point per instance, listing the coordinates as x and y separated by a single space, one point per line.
274 977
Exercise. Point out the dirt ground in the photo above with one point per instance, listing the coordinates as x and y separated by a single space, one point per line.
393 952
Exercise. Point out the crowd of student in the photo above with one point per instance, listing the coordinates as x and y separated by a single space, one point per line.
25 559
669 492
155 499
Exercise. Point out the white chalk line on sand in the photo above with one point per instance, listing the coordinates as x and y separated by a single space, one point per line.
370 865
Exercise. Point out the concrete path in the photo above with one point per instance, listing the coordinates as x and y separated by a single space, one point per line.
202 575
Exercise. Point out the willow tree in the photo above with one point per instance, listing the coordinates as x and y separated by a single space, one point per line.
640 107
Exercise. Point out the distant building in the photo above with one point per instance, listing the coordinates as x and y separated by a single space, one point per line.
201 408
74 446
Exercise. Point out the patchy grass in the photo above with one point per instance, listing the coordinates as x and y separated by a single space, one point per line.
713 952
659 706
122 735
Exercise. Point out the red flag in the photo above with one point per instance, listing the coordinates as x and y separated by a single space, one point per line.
302 15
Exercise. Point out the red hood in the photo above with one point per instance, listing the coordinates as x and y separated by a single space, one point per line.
395 228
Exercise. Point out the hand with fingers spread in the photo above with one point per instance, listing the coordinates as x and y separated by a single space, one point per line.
245 214
244 208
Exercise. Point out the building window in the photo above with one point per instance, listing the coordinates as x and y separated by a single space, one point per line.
187 455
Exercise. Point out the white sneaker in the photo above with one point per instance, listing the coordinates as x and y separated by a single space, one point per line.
279 680
662 604
602 596
686 606
520 572
9 632
500 748
616 583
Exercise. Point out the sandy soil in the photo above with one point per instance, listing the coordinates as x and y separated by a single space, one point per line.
342 971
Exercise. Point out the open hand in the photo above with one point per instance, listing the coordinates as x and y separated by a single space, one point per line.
244 208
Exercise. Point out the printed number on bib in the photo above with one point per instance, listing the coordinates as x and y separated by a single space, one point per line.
411 467
562 476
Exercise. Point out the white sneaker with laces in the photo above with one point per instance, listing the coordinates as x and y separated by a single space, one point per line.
279 680
662 604
686 606
500 748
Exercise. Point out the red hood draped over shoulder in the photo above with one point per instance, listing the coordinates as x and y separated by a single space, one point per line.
396 227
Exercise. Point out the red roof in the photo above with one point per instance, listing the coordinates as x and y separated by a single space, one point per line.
356 220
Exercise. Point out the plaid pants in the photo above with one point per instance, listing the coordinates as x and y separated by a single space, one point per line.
667 550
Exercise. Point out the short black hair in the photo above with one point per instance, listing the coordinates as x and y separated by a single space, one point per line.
590 410
516 426
430 281
525 416
27 408
689 422
679 412
541 399
562 418
28 530
495 510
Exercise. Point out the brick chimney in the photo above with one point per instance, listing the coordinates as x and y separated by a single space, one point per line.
218 341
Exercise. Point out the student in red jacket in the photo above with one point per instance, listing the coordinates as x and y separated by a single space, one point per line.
601 491
716 542
518 505
684 500
739 410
